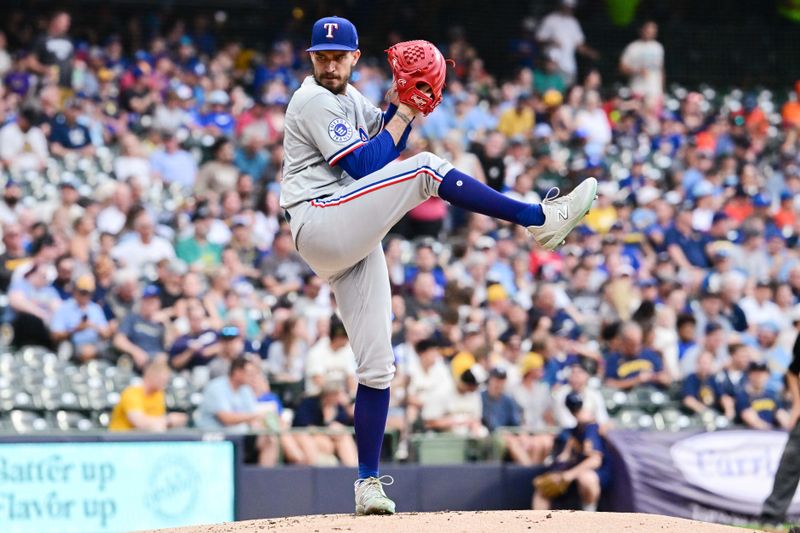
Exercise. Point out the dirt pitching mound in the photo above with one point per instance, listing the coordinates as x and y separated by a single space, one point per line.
466 521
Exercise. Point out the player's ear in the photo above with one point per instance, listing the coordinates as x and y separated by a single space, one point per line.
356 56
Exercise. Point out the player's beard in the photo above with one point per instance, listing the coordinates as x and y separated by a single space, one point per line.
335 85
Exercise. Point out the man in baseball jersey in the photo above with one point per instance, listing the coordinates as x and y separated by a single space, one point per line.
342 193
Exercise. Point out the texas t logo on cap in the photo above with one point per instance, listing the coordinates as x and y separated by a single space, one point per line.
333 33
330 26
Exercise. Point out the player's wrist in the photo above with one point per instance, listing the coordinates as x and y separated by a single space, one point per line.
406 113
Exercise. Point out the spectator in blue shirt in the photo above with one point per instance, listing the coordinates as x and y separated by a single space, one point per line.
199 346
68 135
544 306
757 406
634 365
425 261
500 410
82 322
230 404
251 158
173 164
733 378
702 391
218 119
685 246
141 334
583 458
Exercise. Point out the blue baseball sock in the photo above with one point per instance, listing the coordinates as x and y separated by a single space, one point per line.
372 407
465 191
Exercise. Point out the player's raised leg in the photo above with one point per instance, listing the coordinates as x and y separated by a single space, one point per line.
335 232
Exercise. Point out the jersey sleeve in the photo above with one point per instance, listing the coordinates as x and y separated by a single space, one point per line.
690 387
742 402
328 128
592 439
612 367
658 364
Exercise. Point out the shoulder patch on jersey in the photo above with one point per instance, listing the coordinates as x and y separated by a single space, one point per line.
340 130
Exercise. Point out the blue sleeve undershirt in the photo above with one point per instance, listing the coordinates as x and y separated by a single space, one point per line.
377 153
389 113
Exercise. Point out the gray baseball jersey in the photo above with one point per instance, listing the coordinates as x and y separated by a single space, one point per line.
320 129
340 235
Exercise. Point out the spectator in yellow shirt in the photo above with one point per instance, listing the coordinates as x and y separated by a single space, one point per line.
142 407
603 214
518 120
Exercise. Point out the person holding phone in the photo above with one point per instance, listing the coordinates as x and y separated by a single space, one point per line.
82 322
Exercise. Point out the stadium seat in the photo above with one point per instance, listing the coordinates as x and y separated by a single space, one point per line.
47 396
635 419
102 419
440 449
28 422
68 400
614 399
22 400
71 421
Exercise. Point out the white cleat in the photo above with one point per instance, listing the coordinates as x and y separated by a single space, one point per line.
370 498
562 214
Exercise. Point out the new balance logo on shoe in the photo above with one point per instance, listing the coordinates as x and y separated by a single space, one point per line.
564 215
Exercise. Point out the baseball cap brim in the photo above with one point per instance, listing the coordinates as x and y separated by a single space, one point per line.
322 47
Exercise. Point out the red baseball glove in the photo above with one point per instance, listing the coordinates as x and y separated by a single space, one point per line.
415 64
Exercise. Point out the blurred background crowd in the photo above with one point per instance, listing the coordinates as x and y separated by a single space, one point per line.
141 234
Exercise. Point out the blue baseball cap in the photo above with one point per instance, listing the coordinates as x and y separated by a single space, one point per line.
333 33
151 291
761 200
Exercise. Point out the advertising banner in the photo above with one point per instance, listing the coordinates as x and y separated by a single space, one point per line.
722 476
114 486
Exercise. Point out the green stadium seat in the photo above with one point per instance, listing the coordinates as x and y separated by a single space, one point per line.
440 449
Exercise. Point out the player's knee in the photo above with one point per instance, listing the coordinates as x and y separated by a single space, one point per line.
377 374
428 159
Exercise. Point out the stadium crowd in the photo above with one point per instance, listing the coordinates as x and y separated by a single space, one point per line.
140 225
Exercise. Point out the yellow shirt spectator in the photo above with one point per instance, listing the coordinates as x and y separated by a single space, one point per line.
134 399
600 219
517 121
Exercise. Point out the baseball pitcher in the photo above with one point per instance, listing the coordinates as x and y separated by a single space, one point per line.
342 192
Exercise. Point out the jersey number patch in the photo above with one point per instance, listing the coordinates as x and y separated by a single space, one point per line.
340 130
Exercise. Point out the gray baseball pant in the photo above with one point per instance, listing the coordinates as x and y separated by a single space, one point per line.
340 238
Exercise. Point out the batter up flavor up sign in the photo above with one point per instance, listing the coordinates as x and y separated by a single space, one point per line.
110 487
